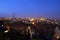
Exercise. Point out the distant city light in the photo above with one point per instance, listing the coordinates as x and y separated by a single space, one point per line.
29 28
6 31
0 18
33 23
43 19
48 21
7 27
56 22
32 19
52 22
2 25
57 37
9 18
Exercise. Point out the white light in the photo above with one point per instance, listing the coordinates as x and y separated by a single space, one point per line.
56 22
2 25
6 31
52 22
29 27
57 37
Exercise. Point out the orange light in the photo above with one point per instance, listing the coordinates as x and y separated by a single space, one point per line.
33 23
8 27
42 19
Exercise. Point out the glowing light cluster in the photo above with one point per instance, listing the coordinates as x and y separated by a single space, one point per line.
32 19
42 19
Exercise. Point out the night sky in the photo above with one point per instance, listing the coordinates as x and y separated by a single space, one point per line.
30 8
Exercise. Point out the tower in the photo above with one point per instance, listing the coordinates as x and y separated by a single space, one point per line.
14 15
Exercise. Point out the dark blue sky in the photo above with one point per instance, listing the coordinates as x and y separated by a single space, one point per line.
30 8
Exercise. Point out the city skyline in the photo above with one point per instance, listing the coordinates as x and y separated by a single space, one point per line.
30 8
